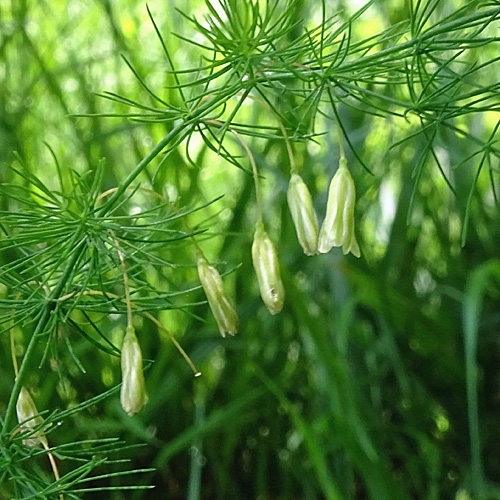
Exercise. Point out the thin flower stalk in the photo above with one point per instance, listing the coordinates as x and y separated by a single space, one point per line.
264 256
133 395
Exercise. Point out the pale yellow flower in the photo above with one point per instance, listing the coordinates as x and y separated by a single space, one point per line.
303 214
224 313
133 394
28 417
266 265
338 227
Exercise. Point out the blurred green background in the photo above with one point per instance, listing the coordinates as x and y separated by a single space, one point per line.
358 388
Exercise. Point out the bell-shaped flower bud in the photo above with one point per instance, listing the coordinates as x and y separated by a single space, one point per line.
28 417
224 313
303 214
133 394
338 227
266 265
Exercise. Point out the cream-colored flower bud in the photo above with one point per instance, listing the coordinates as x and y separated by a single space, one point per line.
224 313
303 214
338 227
133 394
266 265
28 417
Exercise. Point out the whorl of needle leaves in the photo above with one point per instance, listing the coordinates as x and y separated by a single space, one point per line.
412 69
61 262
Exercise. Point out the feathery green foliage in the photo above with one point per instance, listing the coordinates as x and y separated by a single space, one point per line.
120 127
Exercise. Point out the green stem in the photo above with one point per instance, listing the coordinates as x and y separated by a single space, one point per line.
31 349
362 62
193 118
140 167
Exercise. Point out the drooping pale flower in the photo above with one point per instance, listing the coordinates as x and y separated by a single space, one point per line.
224 313
338 227
28 417
266 265
303 214
133 394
